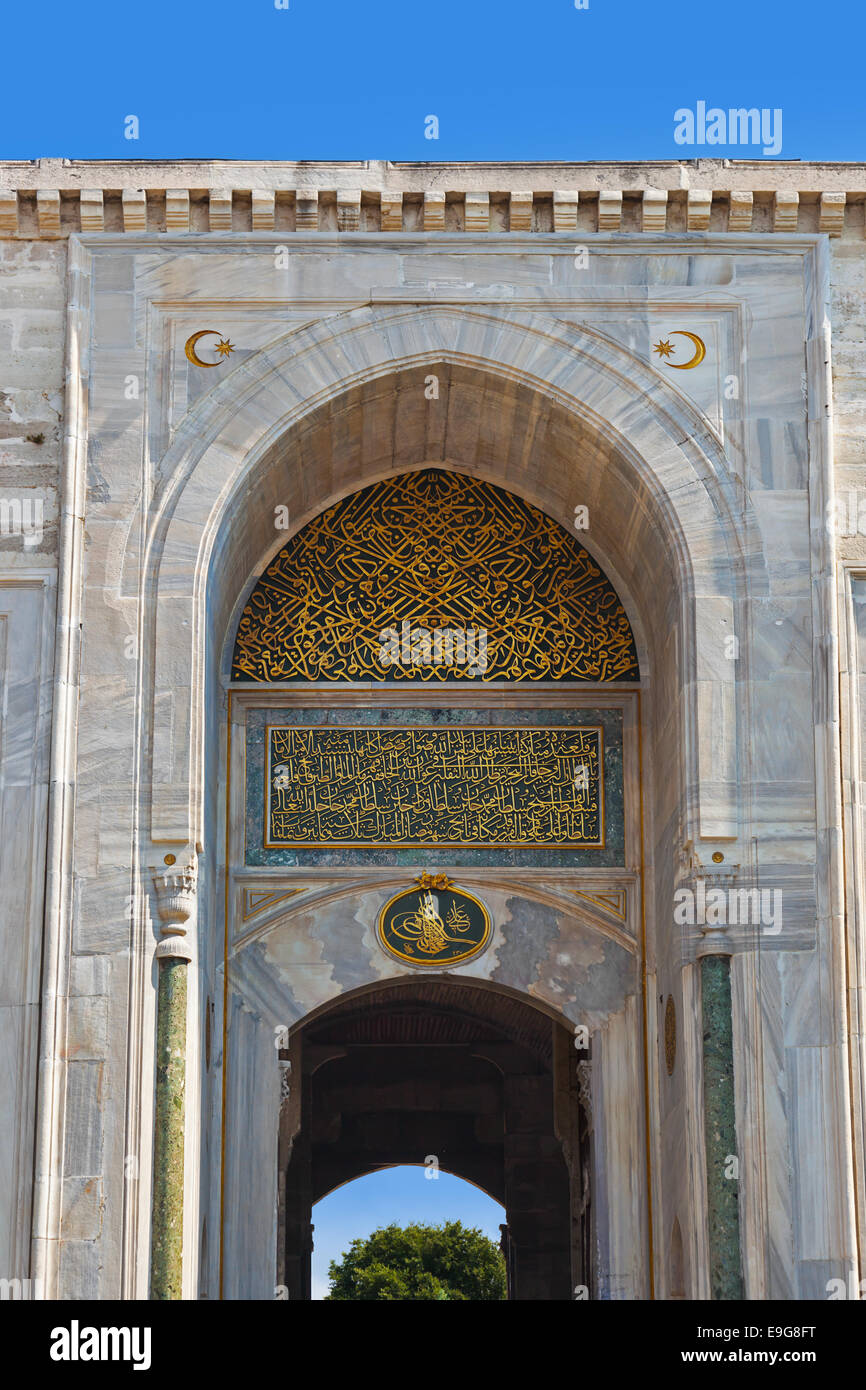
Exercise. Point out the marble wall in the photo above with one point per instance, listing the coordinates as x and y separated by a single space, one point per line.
707 493
26 661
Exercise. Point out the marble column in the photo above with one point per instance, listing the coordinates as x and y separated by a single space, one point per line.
175 891
720 1137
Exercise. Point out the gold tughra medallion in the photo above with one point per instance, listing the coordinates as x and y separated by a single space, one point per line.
434 924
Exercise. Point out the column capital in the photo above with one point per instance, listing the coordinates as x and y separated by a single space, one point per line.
175 887
711 907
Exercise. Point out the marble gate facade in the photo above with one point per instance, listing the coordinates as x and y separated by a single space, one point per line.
170 959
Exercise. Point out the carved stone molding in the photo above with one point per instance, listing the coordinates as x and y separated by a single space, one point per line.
175 901
285 1080
704 883
212 196
584 1089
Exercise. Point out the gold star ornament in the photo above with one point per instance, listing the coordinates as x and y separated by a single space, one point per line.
663 347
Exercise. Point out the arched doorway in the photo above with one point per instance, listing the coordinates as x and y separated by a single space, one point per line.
559 417
434 703
476 1081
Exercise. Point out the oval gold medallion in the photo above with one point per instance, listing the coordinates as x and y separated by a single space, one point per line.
434 924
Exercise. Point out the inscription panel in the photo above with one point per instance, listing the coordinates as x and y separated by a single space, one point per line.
422 787
395 581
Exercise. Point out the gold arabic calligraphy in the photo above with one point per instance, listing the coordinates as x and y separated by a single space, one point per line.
439 926
440 551
421 787
424 927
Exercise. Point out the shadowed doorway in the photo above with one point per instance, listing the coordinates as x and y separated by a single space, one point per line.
473 1078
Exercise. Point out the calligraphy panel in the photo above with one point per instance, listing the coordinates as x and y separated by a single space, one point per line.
422 787
402 580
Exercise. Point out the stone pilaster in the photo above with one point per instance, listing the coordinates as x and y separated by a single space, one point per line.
720 1136
175 892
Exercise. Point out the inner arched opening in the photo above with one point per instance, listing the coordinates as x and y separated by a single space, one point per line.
482 425
508 432
442 1221
442 1071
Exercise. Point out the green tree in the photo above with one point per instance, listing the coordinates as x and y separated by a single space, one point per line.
397 1263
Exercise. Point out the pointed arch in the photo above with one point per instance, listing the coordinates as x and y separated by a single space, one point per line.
431 576
674 551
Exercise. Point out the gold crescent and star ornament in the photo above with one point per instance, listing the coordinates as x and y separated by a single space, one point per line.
223 347
434 924
665 347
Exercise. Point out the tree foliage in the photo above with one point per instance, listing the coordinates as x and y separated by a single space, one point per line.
449 1261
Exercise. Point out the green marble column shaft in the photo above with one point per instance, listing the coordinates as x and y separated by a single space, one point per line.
720 1134
166 1261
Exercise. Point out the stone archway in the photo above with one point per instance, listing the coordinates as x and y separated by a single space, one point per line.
308 883
594 424
444 1071
710 525
619 434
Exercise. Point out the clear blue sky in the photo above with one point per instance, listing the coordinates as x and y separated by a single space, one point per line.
398 1195
341 79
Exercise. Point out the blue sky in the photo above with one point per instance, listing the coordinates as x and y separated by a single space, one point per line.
354 79
396 1194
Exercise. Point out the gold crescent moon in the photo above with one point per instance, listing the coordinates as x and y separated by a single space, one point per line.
700 350
189 346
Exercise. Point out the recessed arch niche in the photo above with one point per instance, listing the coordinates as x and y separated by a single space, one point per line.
511 431
477 1078
370 589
